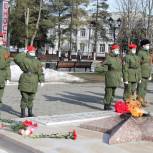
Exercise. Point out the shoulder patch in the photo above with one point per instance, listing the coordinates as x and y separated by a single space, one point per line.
6 55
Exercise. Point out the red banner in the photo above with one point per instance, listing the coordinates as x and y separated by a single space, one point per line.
5 20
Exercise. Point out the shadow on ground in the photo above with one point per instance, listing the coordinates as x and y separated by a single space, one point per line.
77 99
10 110
102 95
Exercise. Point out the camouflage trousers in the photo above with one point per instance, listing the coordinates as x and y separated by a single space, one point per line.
109 95
27 100
1 95
129 89
142 88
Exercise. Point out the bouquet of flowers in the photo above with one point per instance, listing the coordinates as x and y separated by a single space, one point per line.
135 107
27 127
131 105
24 128
121 107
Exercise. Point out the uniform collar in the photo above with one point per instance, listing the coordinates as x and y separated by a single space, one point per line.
31 57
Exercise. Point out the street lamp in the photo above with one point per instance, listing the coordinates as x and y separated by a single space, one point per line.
114 25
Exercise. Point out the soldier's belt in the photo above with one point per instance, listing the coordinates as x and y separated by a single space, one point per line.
30 73
133 67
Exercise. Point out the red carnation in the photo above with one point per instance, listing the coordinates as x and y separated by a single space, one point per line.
75 135
27 123
2 126
35 125
121 107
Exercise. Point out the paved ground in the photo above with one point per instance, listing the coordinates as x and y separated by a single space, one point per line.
87 142
55 99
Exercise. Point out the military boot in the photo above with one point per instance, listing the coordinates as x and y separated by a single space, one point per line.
30 112
22 112
107 107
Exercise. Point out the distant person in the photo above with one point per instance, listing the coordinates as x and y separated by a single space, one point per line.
79 56
113 75
5 73
28 82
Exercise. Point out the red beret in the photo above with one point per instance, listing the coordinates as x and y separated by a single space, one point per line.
115 47
31 48
1 34
132 46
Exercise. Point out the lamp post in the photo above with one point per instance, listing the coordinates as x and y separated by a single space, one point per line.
114 25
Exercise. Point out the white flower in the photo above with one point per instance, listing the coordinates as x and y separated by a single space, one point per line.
21 132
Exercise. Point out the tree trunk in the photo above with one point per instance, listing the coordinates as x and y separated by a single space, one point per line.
76 48
150 8
89 39
37 24
59 32
26 23
71 31
96 30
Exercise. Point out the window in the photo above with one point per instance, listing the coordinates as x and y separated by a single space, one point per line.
109 47
82 47
102 48
83 32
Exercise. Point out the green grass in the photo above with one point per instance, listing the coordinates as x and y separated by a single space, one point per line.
90 77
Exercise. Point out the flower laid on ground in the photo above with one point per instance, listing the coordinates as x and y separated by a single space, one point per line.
121 107
135 107
28 128
70 135
131 105
2 126
25 128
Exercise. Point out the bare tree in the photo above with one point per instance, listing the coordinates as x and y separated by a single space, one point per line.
146 9
129 10
38 21
26 13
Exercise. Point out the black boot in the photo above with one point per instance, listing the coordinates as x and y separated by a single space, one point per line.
107 107
22 112
30 112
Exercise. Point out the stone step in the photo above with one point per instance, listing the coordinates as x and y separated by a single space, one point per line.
71 118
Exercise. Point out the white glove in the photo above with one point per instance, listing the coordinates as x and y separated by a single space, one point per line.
150 78
25 50
121 79
140 81
7 82
41 84
126 82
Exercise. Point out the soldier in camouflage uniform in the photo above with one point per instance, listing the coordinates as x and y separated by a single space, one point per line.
113 75
131 72
145 63
5 73
28 82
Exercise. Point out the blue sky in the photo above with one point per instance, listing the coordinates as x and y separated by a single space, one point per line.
112 5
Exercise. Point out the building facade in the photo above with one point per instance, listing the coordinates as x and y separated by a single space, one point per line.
84 41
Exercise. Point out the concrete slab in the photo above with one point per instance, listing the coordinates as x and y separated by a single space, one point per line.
120 129
71 118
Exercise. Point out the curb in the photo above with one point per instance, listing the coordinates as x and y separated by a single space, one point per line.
16 146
